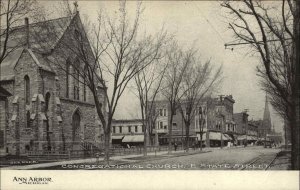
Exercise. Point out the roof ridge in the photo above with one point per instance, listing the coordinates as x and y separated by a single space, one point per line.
44 21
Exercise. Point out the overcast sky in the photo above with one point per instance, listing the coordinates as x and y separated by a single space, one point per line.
202 24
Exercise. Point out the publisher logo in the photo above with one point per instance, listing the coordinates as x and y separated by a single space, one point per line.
33 180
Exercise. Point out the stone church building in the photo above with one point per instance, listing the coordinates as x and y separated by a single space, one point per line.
42 107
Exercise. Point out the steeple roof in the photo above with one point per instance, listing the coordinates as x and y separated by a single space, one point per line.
267 117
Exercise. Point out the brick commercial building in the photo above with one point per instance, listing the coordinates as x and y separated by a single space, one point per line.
178 126
127 132
48 110
215 113
221 125
252 130
241 120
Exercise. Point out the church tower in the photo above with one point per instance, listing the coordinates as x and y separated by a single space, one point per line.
267 125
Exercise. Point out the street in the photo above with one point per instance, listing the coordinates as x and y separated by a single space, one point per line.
235 158
218 159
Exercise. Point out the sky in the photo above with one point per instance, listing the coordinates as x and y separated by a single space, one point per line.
201 24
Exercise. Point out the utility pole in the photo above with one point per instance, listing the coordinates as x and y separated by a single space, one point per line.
223 119
246 120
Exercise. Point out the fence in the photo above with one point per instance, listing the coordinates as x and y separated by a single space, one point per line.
59 155
136 150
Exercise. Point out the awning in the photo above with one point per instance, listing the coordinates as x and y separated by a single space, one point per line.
253 138
133 138
243 137
117 137
226 137
215 136
203 136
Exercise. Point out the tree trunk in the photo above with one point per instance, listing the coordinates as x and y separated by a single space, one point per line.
295 148
145 138
187 135
107 146
170 134
201 134
296 131
295 124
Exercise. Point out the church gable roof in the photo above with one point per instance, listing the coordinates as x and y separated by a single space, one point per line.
43 37
8 65
11 61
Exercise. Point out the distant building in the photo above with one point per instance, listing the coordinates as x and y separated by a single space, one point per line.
266 122
275 137
220 121
252 131
178 127
241 120
127 132
215 113
287 133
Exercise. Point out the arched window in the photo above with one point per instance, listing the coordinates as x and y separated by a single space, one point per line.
47 100
27 89
67 77
76 79
84 82
28 119
76 126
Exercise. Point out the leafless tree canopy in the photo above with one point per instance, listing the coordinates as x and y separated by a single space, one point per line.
148 85
12 13
199 81
186 82
269 28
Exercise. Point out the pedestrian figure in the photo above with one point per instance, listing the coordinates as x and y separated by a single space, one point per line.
175 146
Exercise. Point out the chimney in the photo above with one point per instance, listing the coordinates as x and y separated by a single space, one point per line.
27 32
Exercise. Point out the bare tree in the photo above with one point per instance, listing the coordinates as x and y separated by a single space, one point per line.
178 62
12 12
148 83
126 56
199 80
106 65
268 30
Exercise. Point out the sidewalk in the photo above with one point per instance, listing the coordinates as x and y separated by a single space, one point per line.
78 161
125 158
